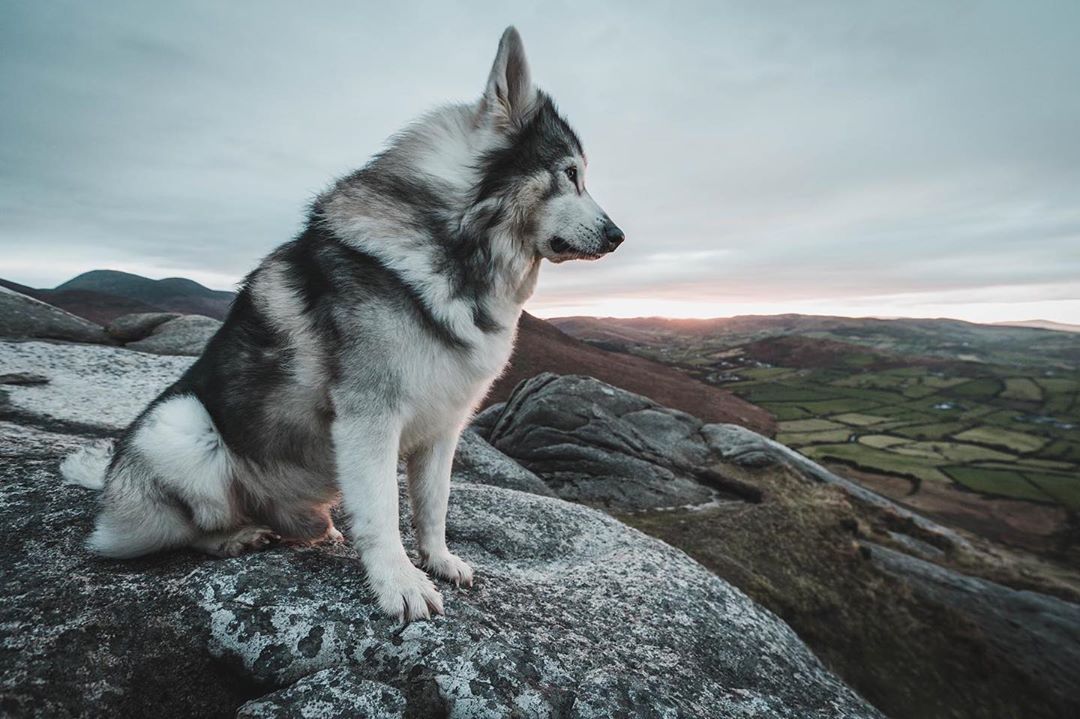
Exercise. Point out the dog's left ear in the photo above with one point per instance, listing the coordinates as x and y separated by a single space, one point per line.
510 96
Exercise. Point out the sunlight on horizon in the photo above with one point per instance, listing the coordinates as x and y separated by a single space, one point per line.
1062 311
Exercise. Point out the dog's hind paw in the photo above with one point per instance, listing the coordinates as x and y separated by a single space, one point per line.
237 542
450 567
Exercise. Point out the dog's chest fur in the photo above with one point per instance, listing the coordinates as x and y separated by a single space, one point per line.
443 385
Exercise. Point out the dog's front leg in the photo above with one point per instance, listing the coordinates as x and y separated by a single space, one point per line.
429 491
366 450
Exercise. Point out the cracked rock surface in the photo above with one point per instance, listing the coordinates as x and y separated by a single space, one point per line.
573 614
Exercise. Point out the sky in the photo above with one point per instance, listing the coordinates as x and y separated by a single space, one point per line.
853 158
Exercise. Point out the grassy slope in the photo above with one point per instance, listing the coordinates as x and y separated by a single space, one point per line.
798 554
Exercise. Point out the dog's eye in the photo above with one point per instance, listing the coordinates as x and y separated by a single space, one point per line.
571 172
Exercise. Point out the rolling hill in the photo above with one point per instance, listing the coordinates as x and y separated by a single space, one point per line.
946 338
972 424
172 294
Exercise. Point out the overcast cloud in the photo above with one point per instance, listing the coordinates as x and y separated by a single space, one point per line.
886 158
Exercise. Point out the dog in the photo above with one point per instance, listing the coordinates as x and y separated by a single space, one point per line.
371 336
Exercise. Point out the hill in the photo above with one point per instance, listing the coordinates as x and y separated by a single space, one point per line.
541 347
103 295
1042 325
172 294
952 339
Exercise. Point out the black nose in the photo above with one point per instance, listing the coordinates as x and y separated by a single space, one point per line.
613 235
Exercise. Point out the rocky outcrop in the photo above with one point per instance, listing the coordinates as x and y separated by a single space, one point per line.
139 325
845 566
185 335
25 317
1041 632
165 333
573 614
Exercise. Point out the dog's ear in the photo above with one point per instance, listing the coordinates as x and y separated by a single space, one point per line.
510 96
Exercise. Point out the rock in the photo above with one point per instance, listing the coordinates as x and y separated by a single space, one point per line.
340 692
91 389
573 614
485 419
137 326
477 462
25 317
23 378
830 577
185 335
603 446
1041 633
749 449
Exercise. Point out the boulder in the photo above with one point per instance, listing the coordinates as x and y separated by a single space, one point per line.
91 389
138 325
185 335
23 317
477 462
573 614
855 573
603 446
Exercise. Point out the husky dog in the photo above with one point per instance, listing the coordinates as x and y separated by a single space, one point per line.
373 335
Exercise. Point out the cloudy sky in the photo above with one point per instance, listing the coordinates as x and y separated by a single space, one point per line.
866 158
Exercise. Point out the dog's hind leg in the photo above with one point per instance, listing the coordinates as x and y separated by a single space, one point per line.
137 524
233 543
169 486
305 526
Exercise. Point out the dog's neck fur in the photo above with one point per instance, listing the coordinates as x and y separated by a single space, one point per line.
478 268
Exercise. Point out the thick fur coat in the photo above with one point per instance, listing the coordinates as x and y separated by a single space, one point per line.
372 336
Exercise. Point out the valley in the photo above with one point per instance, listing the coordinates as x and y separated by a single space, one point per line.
957 420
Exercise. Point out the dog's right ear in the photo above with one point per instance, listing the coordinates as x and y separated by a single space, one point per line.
510 97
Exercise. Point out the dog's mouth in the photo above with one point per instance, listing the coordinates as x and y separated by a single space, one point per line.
563 250
559 246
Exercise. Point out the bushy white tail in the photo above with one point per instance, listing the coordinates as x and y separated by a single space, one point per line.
88 466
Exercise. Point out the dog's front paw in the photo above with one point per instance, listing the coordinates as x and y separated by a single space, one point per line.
450 567
404 592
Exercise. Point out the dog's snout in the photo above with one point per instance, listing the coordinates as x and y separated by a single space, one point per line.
613 235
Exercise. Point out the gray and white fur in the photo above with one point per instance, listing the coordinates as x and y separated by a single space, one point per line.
372 336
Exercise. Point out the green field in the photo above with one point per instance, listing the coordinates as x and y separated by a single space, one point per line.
988 430
987 409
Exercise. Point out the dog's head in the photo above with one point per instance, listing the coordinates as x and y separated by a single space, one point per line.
538 169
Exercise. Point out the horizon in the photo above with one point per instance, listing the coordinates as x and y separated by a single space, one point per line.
550 315
822 159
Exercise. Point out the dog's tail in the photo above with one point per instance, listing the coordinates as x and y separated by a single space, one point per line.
88 466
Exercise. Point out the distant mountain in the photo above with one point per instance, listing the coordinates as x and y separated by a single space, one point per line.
94 306
947 338
1041 325
172 294
103 295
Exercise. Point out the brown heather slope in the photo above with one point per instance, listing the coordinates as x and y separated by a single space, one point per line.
541 347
